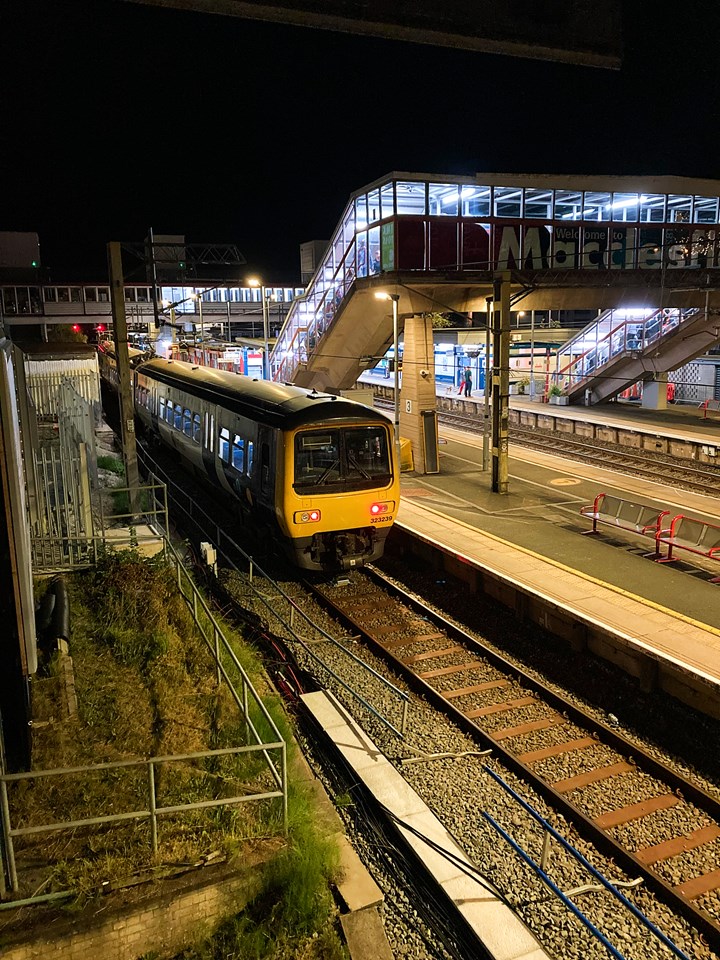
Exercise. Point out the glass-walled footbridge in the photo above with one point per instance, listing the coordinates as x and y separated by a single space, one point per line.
639 244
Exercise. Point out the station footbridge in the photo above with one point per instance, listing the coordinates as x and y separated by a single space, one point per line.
644 252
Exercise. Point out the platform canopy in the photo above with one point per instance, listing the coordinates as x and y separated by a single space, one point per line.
573 31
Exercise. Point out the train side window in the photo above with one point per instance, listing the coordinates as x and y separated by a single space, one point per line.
224 445
238 453
250 455
196 427
178 416
187 423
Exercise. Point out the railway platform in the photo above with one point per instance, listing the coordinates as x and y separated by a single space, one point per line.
658 622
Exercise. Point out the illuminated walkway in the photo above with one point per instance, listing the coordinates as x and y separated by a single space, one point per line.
438 242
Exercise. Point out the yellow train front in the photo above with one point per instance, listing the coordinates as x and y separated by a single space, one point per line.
312 471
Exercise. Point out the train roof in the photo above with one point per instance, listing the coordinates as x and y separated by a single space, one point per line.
264 401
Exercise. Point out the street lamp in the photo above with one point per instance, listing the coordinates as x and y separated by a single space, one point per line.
394 297
255 282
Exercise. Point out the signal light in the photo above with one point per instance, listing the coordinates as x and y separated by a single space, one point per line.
383 507
76 328
100 328
306 516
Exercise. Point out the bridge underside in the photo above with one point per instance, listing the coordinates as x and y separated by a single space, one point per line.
362 329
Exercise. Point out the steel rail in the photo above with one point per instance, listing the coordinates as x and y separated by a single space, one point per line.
602 840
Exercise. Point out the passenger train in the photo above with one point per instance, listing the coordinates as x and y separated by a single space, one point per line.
313 471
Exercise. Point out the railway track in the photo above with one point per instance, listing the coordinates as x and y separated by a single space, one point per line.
650 819
659 468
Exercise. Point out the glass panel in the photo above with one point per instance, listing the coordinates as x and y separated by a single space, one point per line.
178 416
351 458
23 300
538 203
410 198
130 294
196 427
90 294
238 453
678 210
568 205
49 294
76 294
624 206
374 243
35 302
387 204
652 208
187 423
250 452
63 295
361 216
597 206
443 199
8 300
373 206
362 258
143 295
475 201
706 210
508 202
224 445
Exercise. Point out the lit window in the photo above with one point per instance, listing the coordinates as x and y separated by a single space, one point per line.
410 198
508 201
443 199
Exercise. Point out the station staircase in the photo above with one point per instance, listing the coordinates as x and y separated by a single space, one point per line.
622 347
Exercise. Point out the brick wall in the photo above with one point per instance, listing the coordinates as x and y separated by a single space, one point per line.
165 923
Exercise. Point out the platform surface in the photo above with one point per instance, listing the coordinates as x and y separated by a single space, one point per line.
533 536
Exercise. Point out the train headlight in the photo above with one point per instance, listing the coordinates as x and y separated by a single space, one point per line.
385 506
306 516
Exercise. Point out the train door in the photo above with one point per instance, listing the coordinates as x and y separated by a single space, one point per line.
265 464
208 439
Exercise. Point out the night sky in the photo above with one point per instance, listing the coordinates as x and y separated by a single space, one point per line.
115 118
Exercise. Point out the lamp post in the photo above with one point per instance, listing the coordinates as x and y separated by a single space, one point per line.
255 282
394 298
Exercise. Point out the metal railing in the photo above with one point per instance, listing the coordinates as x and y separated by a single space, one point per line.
228 668
151 812
220 537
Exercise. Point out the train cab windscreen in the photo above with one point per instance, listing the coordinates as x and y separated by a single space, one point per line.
349 458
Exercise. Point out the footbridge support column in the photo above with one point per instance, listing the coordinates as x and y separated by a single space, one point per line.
654 393
500 394
418 402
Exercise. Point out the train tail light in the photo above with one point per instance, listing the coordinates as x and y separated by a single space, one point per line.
306 516
385 506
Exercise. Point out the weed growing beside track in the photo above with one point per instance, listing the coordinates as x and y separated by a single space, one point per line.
145 686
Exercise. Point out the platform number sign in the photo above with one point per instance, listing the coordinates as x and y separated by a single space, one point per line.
408 406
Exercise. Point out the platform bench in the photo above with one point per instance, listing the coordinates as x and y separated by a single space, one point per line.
710 406
696 536
635 517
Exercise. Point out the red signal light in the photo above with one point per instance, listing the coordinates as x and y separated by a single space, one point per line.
76 328
378 508
100 328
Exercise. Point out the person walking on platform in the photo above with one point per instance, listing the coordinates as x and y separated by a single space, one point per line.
468 381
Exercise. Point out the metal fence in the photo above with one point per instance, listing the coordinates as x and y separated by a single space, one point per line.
263 739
